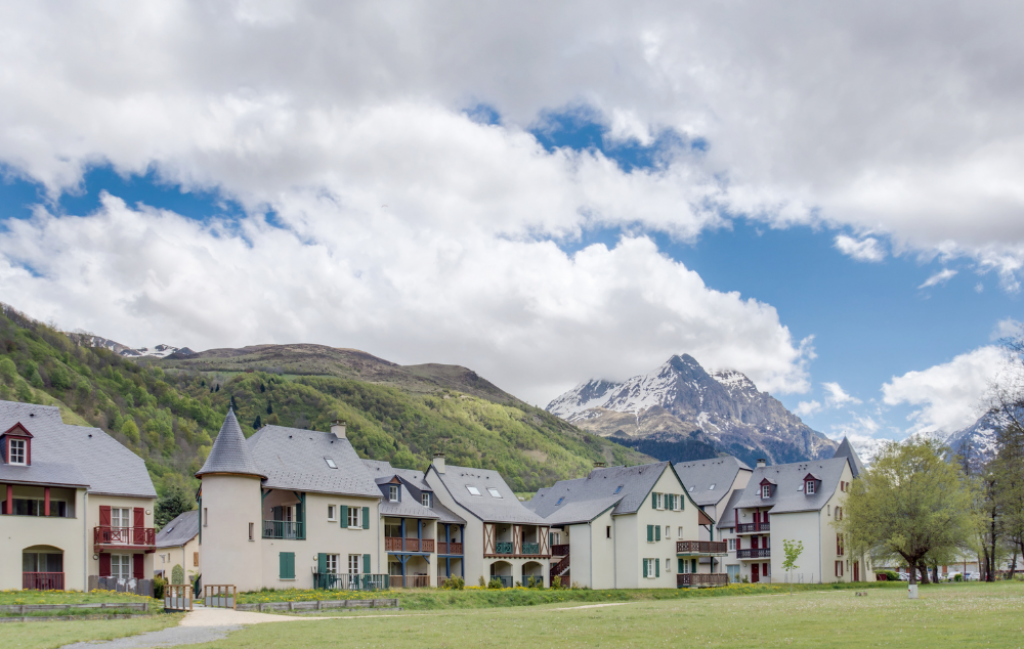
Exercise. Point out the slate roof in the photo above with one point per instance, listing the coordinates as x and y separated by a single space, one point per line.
75 456
584 499
708 481
180 531
788 495
727 518
296 459
486 507
230 453
846 450
414 481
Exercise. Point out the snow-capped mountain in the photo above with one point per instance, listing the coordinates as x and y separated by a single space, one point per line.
156 351
680 409
978 441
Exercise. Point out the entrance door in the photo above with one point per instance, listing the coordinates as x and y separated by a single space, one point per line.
755 573
856 570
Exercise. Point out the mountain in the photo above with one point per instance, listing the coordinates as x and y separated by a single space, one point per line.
156 351
978 441
168 410
680 412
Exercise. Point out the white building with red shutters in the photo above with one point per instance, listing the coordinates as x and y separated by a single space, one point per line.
74 503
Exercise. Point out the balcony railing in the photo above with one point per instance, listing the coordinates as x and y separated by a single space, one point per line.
289 530
754 553
506 581
449 548
508 549
42 580
531 548
399 544
124 536
365 581
702 547
504 548
410 581
560 550
753 528
715 579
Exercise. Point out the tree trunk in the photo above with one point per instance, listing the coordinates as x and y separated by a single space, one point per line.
1013 565
924 573
992 571
911 568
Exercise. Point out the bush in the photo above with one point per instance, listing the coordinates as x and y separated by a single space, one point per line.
482 582
890 575
495 584
454 583
159 583
958 577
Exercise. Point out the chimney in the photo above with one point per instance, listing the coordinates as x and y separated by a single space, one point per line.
439 462
760 463
338 428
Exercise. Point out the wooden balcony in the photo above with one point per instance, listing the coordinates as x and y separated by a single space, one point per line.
449 548
42 580
410 581
124 537
754 553
399 544
753 528
560 550
702 580
702 548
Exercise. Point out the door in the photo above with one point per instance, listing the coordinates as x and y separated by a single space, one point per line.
755 573
734 574
856 570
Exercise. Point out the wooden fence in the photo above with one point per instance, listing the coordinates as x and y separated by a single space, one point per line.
25 608
177 597
136 586
319 605
220 595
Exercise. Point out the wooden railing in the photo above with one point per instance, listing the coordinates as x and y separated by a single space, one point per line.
177 597
754 553
410 581
714 579
444 547
702 547
560 550
561 566
365 581
399 544
292 530
42 580
747 528
123 536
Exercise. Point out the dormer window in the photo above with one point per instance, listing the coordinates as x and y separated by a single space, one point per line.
16 446
17 451
766 491
809 487
393 492
425 498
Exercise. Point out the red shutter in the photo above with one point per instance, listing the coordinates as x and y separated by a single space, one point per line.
139 566
139 523
139 514
105 558
28 452
764 568
105 522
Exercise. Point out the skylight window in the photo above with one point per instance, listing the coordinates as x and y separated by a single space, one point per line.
559 501
711 487
494 492
331 463
618 489
473 490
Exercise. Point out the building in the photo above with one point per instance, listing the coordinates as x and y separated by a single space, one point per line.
501 538
711 483
177 544
76 504
286 506
628 527
423 540
798 502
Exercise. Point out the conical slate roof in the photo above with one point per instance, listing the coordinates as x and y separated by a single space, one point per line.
846 450
230 452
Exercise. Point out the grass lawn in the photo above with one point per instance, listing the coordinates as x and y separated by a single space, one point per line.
956 615
8 597
50 635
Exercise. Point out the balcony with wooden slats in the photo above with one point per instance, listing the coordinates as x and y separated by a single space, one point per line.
702 548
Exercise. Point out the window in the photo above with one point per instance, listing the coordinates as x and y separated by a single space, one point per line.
121 566
393 493
839 568
668 532
17 451
206 516
651 568
766 491
425 498
330 463
332 512
354 517
661 501
494 492
668 565
618 489
559 501
120 517
810 488
252 531
829 510
679 533
331 563
711 488
732 545
353 564
473 491
608 532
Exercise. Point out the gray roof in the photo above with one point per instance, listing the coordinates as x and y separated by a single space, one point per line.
583 499
180 531
75 456
788 495
846 450
294 458
726 518
506 509
708 481
230 453
406 509
414 480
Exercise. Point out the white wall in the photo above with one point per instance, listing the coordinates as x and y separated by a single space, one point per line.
67 534
229 505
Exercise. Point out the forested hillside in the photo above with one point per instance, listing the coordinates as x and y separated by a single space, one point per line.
169 415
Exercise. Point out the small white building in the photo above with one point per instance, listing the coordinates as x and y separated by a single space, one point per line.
177 544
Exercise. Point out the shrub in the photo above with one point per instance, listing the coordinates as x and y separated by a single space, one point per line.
890 575
159 583
494 584
958 577
177 575
483 583
454 583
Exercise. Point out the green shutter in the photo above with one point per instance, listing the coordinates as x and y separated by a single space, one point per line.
657 567
693 566
366 564
657 532
287 565
679 565
650 533
682 503
321 563
344 515
644 561
366 518
654 501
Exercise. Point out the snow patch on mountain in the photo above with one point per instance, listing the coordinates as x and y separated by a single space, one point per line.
156 351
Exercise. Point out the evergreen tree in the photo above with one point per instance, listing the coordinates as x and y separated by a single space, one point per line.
175 501
217 389
263 388
256 425
270 409
233 406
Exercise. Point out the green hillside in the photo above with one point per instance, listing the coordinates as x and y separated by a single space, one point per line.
169 411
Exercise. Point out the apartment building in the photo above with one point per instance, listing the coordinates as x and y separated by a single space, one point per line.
177 544
628 527
75 504
711 484
286 505
501 538
423 540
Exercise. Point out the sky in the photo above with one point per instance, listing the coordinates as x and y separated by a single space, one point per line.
826 198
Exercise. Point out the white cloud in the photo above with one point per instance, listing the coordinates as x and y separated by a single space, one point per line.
952 395
940 277
837 397
807 408
867 249
1007 328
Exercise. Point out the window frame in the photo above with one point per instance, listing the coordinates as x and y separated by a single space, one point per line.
332 513
355 561
394 493
331 559
809 487
355 516
494 493
23 452
425 499
471 489
766 491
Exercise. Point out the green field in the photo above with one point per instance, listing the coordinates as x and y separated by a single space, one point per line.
10 597
50 635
